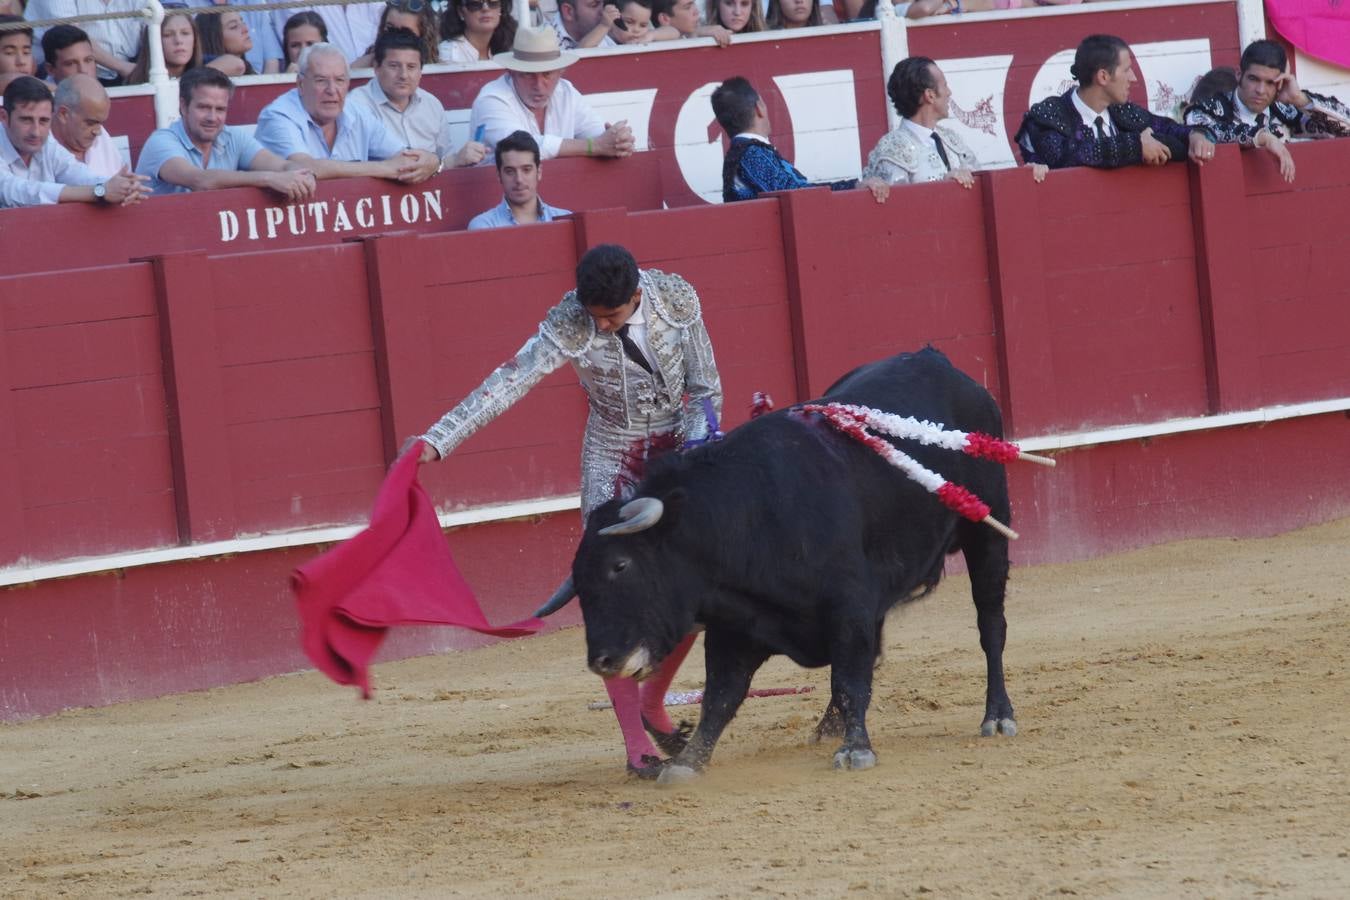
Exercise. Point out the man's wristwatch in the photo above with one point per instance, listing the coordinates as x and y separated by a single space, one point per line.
101 192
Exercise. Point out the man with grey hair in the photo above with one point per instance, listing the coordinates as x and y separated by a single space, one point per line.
81 107
311 124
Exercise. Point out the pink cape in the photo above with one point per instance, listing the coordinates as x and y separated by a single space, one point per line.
1319 28
398 571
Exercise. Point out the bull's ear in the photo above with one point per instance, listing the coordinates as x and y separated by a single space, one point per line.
674 501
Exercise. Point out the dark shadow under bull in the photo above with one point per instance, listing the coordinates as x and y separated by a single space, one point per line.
790 537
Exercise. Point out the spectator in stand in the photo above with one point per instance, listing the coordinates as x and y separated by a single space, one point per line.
920 148
68 51
584 23
115 42
520 171
677 19
180 42
634 24
474 30
311 125
534 97
80 107
352 27
226 42
921 9
412 115
1095 125
35 170
415 16
1266 107
1222 82
304 29
753 165
264 54
736 16
16 48
792 14
199 152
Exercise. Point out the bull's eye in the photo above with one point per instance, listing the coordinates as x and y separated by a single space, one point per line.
619 566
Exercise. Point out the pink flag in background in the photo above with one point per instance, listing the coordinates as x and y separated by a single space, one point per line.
1319 28
398 571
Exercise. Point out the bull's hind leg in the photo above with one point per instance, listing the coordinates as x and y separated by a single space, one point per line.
731 662
986 555
853 652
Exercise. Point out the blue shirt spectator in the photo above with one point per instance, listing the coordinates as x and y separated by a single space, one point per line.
232 151
500 216
285 127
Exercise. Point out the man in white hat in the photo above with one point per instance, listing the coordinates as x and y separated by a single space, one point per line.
534 97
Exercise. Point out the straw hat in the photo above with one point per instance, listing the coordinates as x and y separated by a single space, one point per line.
535 50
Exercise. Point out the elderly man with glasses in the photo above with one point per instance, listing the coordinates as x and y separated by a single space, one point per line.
311 124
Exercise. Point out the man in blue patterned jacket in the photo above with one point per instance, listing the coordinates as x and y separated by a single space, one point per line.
753 165
1095 124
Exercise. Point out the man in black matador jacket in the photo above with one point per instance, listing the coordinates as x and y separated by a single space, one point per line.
1095 125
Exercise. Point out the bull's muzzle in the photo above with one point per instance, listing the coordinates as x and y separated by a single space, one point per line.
637 664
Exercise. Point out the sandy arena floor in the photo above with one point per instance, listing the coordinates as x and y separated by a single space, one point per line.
1184 733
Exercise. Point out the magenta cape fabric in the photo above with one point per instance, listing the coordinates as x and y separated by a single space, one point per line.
398 571
1319 28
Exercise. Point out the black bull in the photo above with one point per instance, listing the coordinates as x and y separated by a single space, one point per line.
790 537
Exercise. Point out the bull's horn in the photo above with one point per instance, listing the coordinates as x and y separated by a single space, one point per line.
561 597
637 514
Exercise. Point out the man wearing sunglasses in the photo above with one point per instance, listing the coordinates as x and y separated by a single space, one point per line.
534 97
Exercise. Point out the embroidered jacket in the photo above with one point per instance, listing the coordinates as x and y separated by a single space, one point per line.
754 167
1054 134
1323 117
623 397
902 157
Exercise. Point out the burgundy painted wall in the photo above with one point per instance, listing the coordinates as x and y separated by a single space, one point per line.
195 397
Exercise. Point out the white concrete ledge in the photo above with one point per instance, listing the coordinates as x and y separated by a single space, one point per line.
27 574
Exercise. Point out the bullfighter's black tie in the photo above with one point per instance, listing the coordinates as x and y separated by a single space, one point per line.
942 151
1101 126
1260 120
631 349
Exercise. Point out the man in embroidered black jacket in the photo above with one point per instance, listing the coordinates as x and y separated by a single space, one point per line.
1267 108
1095 125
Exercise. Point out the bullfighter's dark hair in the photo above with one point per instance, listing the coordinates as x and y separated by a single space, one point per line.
59 37
909 79
733 104
521 142
23 91
202 76
607 276
396 39
1096 52
1264 53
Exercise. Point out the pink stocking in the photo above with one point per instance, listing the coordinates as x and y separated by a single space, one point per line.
623 693
654 688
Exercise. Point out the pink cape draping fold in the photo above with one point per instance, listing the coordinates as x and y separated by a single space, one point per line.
398 571
1319 28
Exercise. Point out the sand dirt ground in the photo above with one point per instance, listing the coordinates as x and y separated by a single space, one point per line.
1184 733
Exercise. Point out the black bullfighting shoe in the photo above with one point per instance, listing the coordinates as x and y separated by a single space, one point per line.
670 742
650 770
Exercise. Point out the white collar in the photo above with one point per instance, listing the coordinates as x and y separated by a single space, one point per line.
923 131
752 136
1089 115
1244 112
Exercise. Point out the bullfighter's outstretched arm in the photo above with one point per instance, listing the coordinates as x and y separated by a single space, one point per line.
498 392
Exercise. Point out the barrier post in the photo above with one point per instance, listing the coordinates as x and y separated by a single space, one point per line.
202 477
11 473
807 238
166 90
894 47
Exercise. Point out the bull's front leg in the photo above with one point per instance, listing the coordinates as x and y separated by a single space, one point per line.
852 662
731 663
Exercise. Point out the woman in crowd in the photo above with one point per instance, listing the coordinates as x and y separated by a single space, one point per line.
301 30
416 16
225 40
736 16
473 30
182 47
792 14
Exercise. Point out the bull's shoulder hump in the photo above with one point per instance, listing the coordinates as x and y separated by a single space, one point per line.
676 301
569 326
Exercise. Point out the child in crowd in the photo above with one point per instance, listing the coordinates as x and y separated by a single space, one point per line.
304 29
675 19
634 24
736 16
181 43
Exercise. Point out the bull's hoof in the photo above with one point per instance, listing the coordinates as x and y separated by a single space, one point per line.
991 727
673 774
650 770
844 758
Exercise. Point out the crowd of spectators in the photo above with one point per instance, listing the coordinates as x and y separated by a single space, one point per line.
392 128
